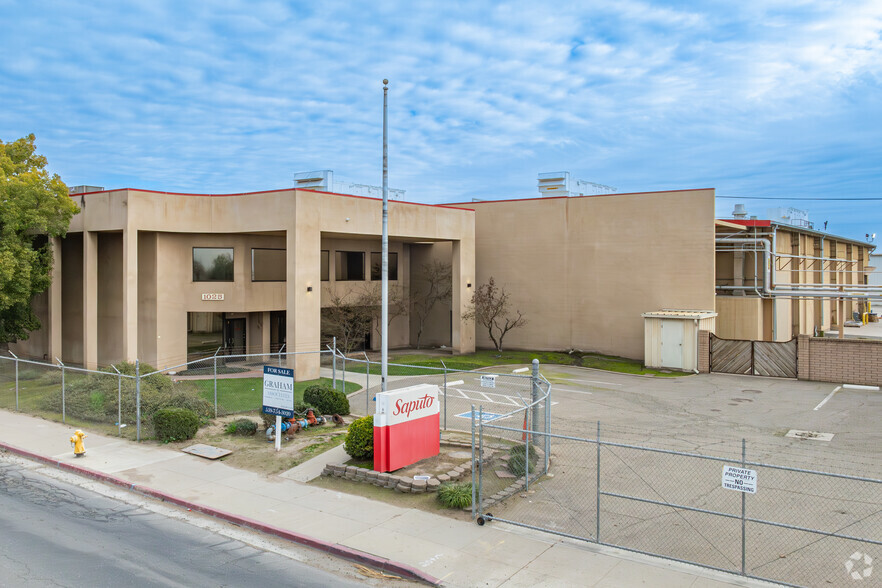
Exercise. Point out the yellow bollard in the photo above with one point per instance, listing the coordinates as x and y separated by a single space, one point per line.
76 441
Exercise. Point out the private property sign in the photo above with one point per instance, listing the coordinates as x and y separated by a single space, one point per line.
739 479
278 391
406 427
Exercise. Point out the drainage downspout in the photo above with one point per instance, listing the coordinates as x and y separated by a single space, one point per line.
696 345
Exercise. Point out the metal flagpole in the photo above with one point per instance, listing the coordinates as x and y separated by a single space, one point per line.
384 309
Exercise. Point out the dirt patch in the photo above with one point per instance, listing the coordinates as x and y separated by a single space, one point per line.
254 453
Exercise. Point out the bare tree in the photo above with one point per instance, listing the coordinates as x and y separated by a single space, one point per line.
491 308
437 287
351 317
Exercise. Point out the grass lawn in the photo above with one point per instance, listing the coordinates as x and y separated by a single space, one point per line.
246 394
490 358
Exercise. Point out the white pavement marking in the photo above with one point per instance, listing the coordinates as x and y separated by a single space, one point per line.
829 396
593 382
568 389
857 387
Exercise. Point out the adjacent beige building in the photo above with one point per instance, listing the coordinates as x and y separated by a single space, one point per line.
775 280
161 276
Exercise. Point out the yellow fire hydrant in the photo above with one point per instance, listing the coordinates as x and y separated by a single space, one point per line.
76 441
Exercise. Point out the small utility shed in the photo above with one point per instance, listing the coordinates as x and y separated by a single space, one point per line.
671 337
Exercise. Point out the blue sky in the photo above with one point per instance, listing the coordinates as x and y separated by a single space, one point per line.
763 99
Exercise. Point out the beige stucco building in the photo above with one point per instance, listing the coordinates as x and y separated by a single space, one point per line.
159 276
584 269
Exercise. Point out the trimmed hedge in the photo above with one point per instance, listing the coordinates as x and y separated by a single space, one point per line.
360 438
175 424
326 400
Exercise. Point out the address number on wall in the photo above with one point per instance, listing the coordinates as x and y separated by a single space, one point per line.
213 296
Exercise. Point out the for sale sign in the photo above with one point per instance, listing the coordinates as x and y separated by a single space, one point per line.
406 427
278 391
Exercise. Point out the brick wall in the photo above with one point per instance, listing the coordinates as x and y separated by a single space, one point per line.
842 361
703 352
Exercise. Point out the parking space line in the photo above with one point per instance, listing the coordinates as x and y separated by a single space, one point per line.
829 396
593 382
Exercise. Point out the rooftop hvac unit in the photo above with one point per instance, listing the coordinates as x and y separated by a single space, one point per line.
554 184
322 180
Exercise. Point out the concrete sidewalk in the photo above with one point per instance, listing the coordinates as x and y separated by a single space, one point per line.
410 542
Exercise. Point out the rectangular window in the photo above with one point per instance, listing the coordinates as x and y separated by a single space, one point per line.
349 266
377 266
326 265
212 264
268 265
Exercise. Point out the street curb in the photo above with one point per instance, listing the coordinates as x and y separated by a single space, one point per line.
335 549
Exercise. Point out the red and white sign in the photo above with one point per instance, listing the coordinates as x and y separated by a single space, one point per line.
407 427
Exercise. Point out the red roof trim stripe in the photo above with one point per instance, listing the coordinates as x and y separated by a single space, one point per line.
268 192
586 196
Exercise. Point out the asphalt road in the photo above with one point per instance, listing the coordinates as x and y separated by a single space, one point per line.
53 533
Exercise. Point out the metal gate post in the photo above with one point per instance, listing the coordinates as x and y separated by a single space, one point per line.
215 386
480 460
445 394
597 497
16 378
138 397
63 414
367 385
334 363
743 511
474 506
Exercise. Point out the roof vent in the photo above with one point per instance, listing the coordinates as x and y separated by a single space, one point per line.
739 212
560 184
84 189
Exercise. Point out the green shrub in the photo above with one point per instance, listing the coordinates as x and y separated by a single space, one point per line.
360 438
94 398
517 462
455 494
175 424
242 427
326 400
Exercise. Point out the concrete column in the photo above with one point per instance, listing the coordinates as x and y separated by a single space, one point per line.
265 332
90 299
303 294
463 273
130 294
54 302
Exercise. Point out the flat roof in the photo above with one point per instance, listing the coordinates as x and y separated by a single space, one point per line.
680 314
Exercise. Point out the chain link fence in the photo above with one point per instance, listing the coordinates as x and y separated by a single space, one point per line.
789 525
124 396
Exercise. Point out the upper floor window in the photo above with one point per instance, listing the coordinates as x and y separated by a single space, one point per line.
377 266
268 265
212 264
348 265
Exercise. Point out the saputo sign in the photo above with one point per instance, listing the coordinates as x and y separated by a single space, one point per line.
406 427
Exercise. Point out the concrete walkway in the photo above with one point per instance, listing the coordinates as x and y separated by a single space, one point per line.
419 545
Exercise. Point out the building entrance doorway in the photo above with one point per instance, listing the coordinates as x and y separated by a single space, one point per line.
234 336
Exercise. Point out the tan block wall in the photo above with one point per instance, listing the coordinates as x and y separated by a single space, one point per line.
704 352
840 361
